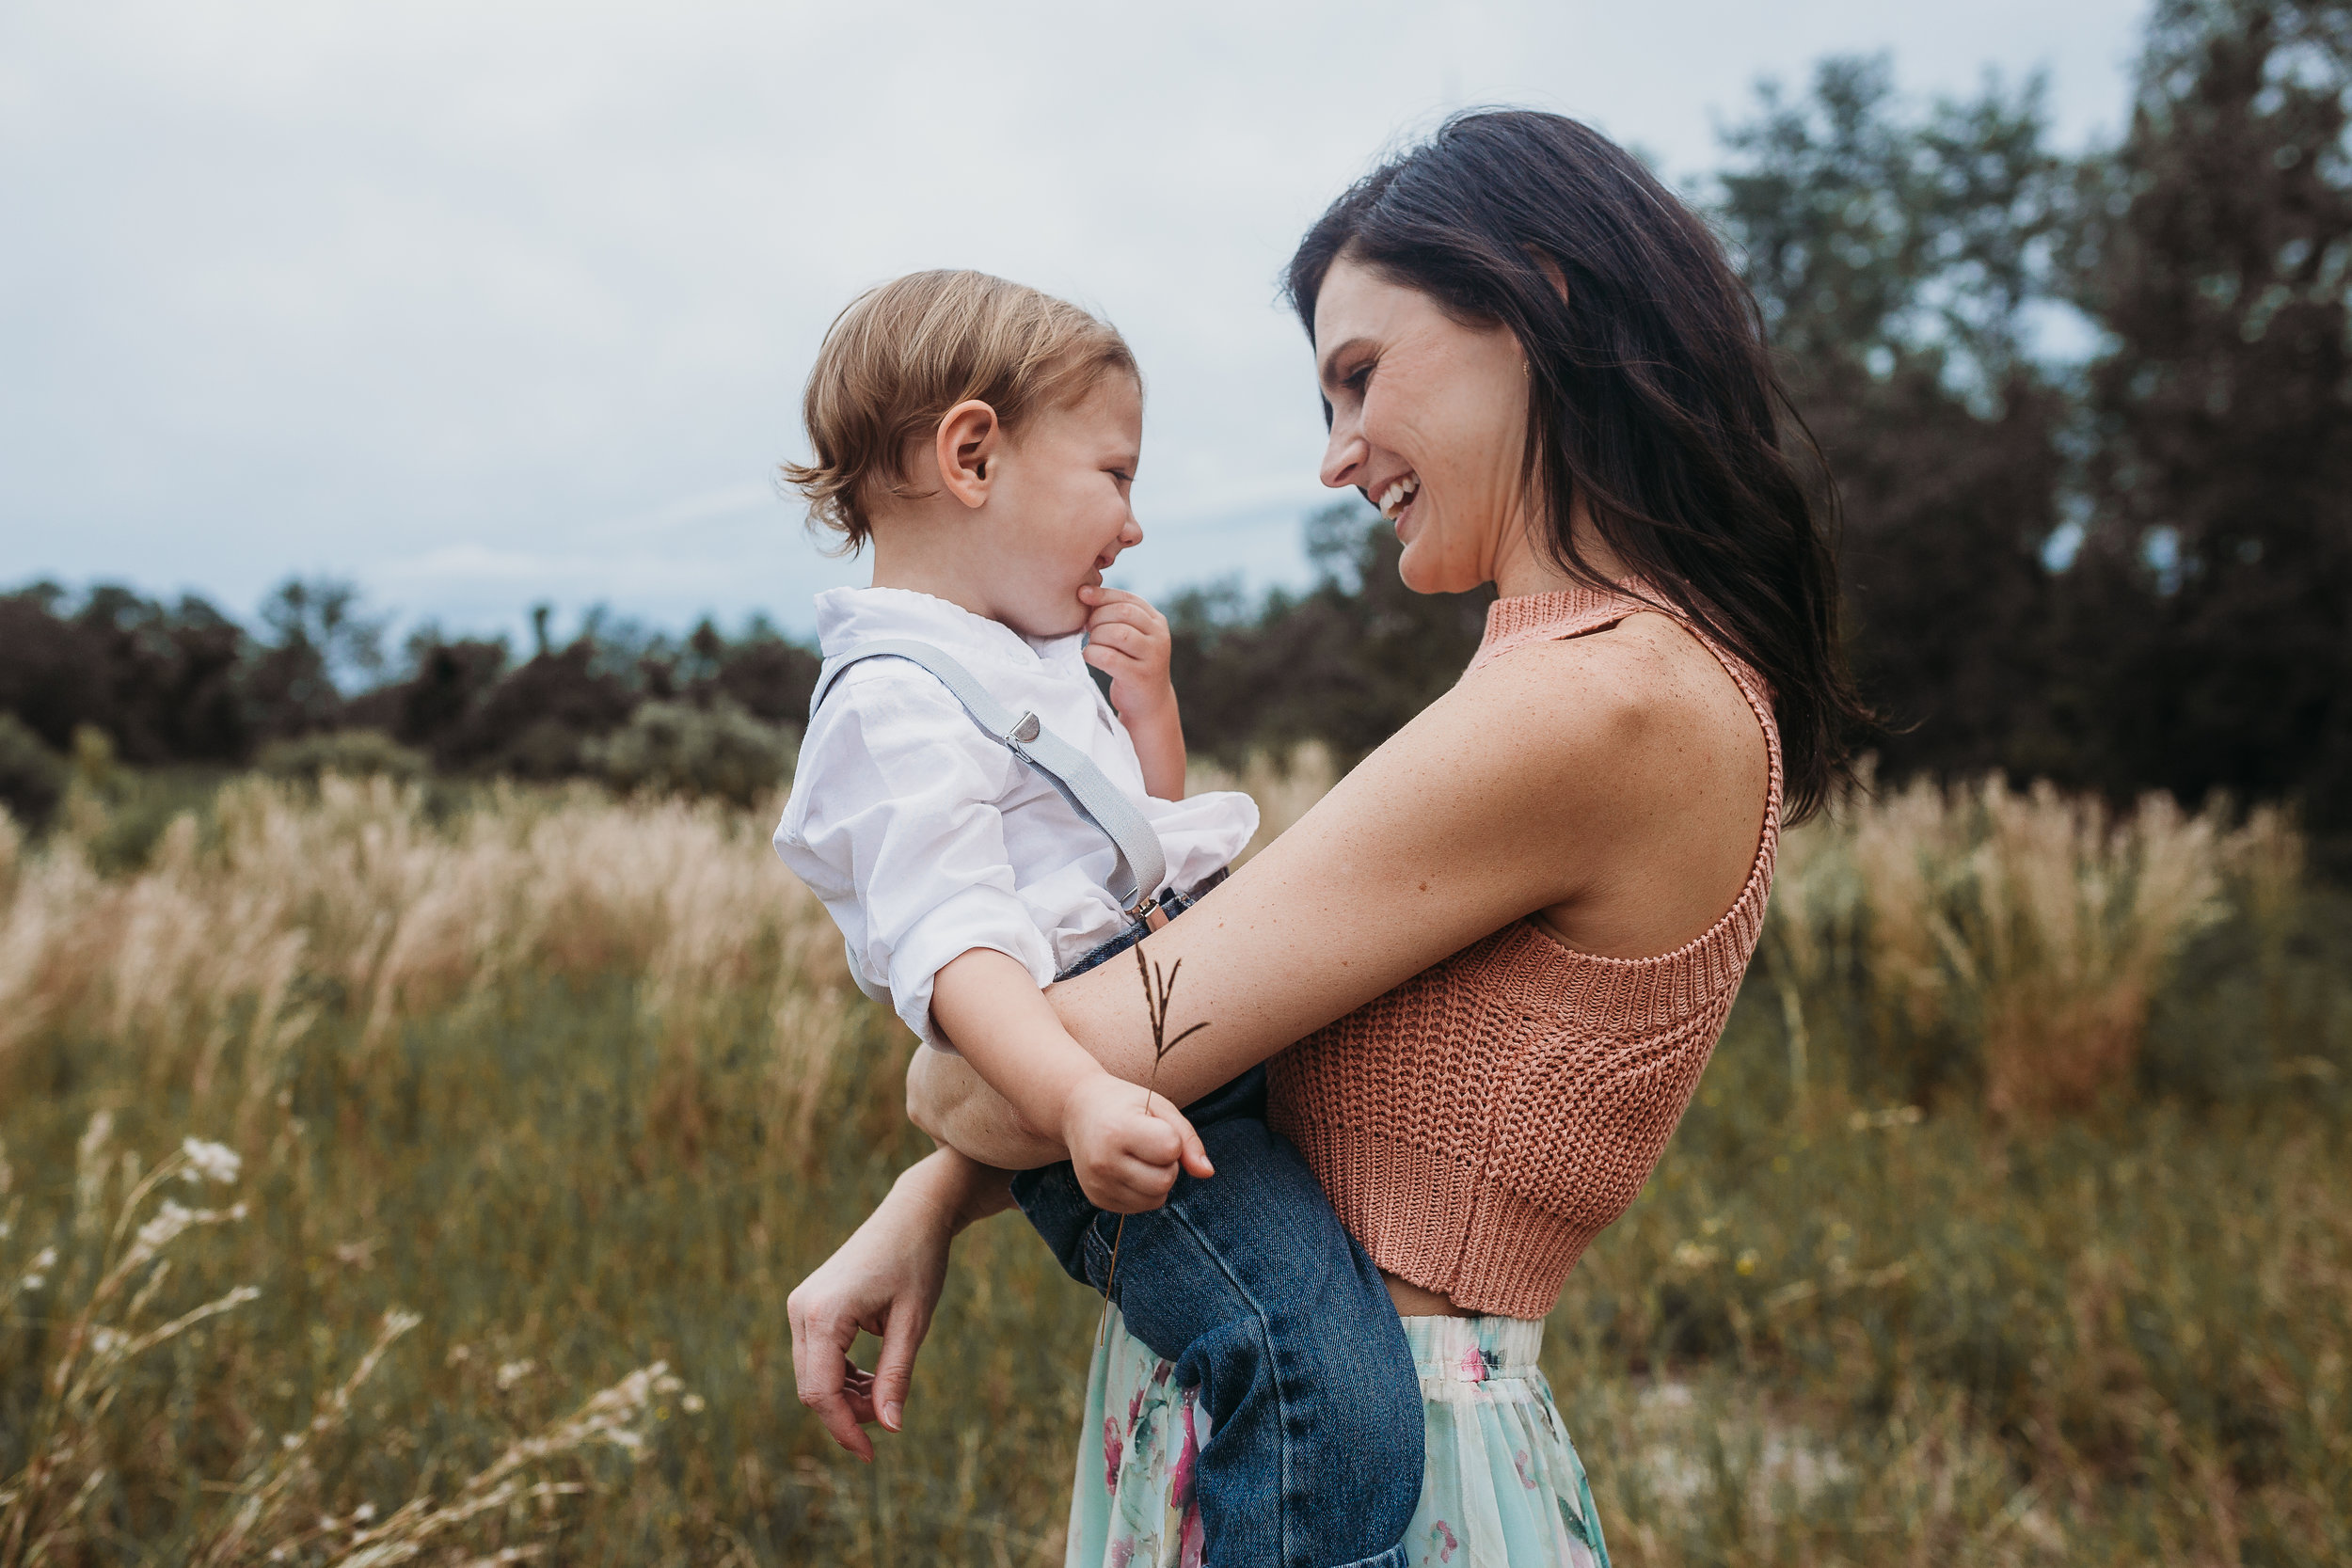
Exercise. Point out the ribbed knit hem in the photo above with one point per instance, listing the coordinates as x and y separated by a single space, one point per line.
1436 1221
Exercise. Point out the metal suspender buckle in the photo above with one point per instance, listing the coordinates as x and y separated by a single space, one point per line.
1027 728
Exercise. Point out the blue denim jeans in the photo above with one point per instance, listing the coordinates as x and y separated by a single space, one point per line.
1250 1285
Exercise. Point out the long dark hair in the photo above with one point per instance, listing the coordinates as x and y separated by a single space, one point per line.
1651 392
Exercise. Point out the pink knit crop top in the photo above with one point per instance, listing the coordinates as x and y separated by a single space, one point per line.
1480 1124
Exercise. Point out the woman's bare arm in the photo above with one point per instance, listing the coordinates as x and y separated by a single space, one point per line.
1526 788
885 1281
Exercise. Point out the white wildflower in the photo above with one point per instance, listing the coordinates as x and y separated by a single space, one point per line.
170 1221
107 1342
46 1259
363 1514
512 1373
210 1162
692 1404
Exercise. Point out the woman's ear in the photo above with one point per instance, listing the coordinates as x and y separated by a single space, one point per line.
968 439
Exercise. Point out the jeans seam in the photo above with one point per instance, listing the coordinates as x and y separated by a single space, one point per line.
1266 1340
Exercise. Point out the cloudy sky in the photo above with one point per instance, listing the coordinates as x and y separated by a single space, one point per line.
480 304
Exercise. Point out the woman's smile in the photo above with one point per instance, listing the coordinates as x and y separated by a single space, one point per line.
1397 496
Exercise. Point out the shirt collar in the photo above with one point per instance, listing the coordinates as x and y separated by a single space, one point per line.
848 616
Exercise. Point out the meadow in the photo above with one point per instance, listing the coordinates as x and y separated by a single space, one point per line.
395 1172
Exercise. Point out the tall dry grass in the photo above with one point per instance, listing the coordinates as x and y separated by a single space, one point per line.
575 1086
278 1506
2026 929
1284 786
240 931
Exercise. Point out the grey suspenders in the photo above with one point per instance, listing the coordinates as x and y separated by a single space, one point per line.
1092 795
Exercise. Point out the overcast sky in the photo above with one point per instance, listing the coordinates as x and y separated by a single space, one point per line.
486 303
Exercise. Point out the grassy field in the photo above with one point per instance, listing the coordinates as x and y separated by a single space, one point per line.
2013 1224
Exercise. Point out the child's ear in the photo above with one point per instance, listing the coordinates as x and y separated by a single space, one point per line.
968 439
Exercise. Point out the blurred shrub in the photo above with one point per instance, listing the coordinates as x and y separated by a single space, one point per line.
32 777
672 748
2015 937
351 754
116 814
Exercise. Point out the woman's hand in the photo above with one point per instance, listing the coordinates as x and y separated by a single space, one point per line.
884 1280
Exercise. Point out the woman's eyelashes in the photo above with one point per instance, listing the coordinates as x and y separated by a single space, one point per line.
1351 381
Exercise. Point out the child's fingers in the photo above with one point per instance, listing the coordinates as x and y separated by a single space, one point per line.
1123 639
1128 1186
1115 604
1150 1141
1190 1151
1112 596
1141 616
1196 1156
1144 1185
1119 666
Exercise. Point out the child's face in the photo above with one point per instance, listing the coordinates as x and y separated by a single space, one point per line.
1057 505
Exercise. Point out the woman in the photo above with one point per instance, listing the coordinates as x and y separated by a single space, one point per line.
1486 970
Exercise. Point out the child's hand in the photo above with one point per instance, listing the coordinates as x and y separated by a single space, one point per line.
1128 641
1127 1157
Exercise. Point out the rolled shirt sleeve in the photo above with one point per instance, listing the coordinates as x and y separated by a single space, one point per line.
897 794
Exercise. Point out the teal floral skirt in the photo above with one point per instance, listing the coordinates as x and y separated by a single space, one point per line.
1501 1486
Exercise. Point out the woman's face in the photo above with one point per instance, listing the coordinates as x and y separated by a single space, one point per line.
1428 420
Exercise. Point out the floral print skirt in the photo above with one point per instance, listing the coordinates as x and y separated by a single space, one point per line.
1501 1486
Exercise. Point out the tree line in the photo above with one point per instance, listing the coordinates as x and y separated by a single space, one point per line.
2089 414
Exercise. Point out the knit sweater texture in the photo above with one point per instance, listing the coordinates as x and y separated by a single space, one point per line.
1480 1124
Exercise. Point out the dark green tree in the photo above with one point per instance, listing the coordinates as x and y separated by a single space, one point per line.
2218 248
1899 260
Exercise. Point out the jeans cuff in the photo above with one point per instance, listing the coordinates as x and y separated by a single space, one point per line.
1396 1557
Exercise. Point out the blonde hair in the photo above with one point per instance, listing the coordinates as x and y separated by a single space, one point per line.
904 353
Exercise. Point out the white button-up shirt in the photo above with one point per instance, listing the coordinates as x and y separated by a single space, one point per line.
926 839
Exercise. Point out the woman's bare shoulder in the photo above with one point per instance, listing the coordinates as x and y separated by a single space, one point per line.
1635 747
1637 697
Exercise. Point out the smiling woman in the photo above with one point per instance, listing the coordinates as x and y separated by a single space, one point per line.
1484 973
1650 406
